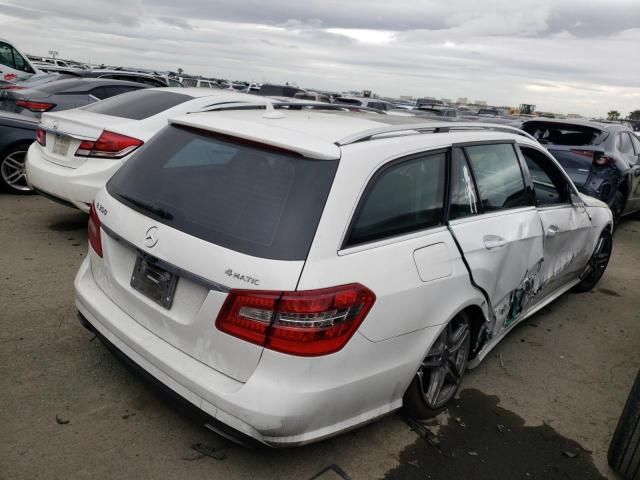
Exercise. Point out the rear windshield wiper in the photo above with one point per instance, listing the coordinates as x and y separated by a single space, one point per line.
149 207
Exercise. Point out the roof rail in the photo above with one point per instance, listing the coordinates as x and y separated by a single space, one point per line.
277 104
432 127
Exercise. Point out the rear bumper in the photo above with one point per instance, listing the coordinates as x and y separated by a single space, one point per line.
74 186
287 401
183 404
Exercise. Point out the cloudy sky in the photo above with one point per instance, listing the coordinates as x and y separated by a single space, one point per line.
571 56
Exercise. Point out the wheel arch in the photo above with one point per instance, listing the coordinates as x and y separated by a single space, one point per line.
478 328
11 145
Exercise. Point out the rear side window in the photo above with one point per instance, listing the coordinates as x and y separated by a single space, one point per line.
189 82
402 198
252 199
138 105
498 175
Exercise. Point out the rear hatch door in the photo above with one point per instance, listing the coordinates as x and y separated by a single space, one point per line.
572 144
209 214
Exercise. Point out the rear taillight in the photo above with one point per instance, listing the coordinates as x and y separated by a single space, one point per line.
603 160
94 230
307 323
108 145
35 106
41 137
583 153
12 87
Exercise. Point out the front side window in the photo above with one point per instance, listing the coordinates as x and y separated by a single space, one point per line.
636 143
624 144
548 182
402 198
498 175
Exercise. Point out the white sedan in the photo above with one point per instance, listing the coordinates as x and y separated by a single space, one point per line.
77 151
296 274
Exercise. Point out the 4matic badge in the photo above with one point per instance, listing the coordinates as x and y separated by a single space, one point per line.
242 278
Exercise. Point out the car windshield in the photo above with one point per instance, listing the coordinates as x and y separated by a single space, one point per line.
555 133
253 199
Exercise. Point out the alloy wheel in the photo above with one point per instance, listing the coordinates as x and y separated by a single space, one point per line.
599 260
441 371
13 171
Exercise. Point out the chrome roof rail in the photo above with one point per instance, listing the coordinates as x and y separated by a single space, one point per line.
429 127
240 105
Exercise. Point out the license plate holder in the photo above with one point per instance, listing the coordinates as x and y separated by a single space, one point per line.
153 281
60 145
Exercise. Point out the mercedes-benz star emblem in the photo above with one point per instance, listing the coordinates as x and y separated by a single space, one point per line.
151 237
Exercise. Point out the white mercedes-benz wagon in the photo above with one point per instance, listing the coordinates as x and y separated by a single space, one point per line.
293 274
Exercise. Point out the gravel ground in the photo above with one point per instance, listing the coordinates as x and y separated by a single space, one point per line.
544 404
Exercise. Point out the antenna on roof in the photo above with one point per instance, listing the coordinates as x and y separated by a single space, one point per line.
272 113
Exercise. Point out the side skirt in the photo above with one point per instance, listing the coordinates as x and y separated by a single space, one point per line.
532 310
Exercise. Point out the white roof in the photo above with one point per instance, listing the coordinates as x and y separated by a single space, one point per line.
313 133
218 93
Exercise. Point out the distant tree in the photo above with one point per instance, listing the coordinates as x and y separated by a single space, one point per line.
635 115
613 115
180 71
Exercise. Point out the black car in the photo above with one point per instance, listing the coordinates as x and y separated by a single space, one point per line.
139 77
17 132
271 90
63 95
602 159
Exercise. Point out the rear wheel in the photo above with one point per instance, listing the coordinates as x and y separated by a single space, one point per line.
13 178
440 373
597 264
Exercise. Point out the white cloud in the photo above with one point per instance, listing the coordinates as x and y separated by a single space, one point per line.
570 57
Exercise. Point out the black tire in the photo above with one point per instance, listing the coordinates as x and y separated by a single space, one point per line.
617 205
448 356
12 175
624 449
597 264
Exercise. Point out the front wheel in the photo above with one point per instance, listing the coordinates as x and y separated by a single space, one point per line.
13 178
597 263
440 373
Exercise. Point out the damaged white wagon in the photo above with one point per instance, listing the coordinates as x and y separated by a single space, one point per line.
293 274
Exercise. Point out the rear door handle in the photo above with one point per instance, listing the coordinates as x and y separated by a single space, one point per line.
493 241
552 230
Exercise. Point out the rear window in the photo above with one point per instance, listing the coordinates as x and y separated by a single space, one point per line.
554 133
348 101
62 85
252 199
279 90
138 105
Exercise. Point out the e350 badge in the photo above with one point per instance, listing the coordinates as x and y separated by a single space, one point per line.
242 278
